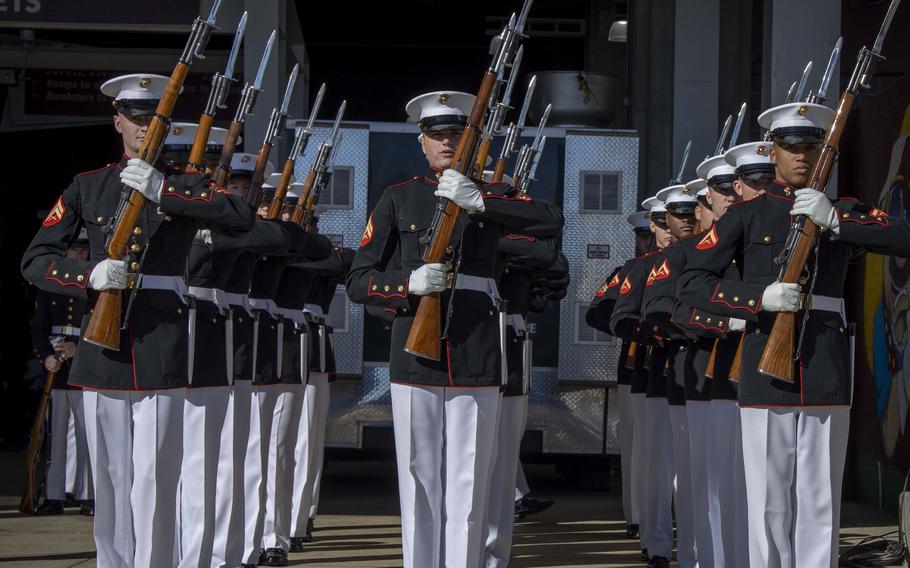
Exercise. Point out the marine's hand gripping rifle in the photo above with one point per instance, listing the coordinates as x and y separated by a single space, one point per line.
424 336
104 326
779 357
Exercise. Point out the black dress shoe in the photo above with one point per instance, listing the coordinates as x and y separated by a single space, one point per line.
87 508
247 565
273 557
658 562
310 527
631 531
50 507
297 543
644 554
530 506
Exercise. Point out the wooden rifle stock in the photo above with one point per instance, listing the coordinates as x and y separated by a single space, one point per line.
777 359
500 169
631 352
481 161
709 370
307 199
103 328
424 338
736 365
29 501
200 141
286 172
223 169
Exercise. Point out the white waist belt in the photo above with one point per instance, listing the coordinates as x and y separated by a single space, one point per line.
478 284
295 315
314 312
826 304
241 300
66 330
265 305
517 323
212 295
174 284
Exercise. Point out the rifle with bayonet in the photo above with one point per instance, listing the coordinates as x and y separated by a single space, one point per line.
424 337
104 328
272 133
513 133
497 116
316 178
529 157
783 349
301 138
248 97
221 84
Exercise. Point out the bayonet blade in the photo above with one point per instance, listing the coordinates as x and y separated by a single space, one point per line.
682 165
723 135
289 89
533 171
214 13
829 70
802 83
337 125
235 48
523 17
734 138
790 92
886 24
542 125
523 116
315 111
264 62
510 85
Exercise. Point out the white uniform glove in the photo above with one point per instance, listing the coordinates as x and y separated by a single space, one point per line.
816 206
143 178
781 297
108 274
459 189
205 235
736 324
427 279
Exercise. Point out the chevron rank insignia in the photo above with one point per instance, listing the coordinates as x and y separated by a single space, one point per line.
626 287
56 213
709 241
367 232
660 274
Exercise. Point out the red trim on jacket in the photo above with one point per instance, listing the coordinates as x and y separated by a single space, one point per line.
696 323
387 296
47 276
716 300
404 182
97 170
521 238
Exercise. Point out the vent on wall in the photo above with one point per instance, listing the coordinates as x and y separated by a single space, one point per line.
340 191
339 311
585 334
600 191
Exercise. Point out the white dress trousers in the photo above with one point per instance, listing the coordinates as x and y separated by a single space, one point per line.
513 415
70 464
247 472
279 474
206 479
444 444
626 444
794 463
656 527
136 443
306 452
323 398
705 506
521 483
638 475
731 547
683 504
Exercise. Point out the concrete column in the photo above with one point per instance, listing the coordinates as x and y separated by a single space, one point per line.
695 82
798 32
